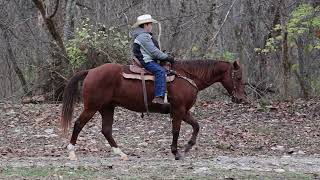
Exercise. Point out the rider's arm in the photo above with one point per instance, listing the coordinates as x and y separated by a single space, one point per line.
147 44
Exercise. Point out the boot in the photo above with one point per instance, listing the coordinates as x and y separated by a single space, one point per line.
159 100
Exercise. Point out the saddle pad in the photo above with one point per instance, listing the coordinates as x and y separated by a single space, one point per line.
146 77
138 70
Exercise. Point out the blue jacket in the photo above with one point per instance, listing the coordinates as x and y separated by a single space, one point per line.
145 47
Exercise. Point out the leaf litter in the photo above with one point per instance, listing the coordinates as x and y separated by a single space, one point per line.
278 130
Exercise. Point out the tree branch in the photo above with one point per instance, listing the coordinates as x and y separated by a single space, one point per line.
40 6
224 21
13 60
50 25
55 9
83 5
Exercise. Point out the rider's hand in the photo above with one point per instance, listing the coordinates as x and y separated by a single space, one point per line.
170 59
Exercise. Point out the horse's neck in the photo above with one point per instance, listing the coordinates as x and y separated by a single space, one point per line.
206 74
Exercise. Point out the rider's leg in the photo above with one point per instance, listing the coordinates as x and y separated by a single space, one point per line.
160 80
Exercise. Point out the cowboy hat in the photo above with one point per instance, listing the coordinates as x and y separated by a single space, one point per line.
146 18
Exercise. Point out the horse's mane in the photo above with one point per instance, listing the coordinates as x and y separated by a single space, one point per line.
198 66
197 62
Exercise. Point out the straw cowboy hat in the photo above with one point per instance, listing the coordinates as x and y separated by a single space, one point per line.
146 18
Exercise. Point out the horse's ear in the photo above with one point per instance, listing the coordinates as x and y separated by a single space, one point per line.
236 64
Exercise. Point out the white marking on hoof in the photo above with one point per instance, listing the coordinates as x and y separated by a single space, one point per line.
119 152
72 154
124 157
107 145
70 147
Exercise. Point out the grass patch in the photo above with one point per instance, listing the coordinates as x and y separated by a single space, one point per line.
151 172
45 172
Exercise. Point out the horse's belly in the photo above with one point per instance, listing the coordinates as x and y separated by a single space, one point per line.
133 107
130 96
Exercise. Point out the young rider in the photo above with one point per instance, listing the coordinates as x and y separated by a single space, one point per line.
146 50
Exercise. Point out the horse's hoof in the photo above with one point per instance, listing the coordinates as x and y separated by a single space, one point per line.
185 154
178 157
72 156
187 148
124 158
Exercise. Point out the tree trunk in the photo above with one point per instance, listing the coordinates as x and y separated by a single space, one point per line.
260 73
285 51
303 75
176 29
285 64
48 20
14 61
52 74
68 29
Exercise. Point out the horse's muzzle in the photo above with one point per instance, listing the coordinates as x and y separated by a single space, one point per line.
240 100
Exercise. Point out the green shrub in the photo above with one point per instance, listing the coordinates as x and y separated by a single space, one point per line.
110 45
302 22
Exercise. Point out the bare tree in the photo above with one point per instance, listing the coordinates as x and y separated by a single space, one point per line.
37 32
13 60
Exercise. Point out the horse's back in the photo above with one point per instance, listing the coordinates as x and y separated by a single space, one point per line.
108 67
104 72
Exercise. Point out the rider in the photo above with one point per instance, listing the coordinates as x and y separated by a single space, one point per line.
146 50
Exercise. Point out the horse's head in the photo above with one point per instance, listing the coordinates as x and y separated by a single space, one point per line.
234 84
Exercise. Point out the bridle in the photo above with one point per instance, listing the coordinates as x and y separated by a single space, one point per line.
233 73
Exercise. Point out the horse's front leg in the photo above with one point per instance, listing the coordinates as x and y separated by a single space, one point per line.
195 126
176 124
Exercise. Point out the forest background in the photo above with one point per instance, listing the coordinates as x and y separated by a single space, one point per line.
44 42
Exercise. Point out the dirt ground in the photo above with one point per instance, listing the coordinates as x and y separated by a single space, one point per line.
274 140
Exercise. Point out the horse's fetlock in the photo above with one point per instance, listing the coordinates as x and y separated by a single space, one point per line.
197 128
191 143
106 131
174 149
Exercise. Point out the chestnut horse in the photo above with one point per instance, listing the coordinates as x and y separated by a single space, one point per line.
104 88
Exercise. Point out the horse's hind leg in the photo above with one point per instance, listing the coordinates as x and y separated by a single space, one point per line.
84 117
107 121
195 126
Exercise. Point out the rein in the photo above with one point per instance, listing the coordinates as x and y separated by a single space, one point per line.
196 77
185 78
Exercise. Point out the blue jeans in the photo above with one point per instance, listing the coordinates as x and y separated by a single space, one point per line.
160 77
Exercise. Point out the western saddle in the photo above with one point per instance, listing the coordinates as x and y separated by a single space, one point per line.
136 71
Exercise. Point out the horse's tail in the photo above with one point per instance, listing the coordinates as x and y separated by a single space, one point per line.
69 97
